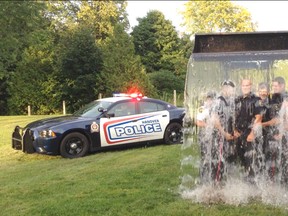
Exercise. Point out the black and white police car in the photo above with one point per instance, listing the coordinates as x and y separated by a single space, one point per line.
119 120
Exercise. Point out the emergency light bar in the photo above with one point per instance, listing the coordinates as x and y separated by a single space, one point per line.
132 95
120 95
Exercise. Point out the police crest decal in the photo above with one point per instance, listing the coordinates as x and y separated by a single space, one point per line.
94 127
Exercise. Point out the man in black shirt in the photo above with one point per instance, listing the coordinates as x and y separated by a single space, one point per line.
262 142
247 114
277 142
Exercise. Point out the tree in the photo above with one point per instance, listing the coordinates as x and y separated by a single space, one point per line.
216 16
82 27
32 72
163 52
79 64
156 41
186 45
19 20
166 82
99 16
122 69
102 16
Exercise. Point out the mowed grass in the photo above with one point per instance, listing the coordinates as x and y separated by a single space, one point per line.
139 181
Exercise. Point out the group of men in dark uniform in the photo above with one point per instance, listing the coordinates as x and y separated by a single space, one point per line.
245 129
275 133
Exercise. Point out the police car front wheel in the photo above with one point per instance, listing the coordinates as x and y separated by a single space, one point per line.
173 133
74 145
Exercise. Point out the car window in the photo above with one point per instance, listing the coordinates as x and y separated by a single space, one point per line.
91 109
146 107
123 109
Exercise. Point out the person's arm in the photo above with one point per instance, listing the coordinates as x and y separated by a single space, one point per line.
271 122
227 135
200 123
201 117
257 121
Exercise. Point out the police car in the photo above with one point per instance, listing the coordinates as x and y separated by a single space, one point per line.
119 120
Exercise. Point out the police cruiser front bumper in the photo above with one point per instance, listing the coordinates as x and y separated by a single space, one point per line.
22 139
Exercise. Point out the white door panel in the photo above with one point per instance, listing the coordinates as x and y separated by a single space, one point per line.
133 128
155 123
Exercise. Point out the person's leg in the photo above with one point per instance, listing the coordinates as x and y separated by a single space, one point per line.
249 157
284 161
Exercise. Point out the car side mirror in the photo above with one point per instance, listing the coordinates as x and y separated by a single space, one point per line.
102 110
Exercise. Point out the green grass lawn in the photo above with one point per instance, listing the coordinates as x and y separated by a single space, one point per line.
139 181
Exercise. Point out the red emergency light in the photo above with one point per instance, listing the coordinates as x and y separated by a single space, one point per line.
132 95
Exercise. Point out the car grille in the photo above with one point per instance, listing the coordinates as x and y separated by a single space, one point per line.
28 139
17 138
23 140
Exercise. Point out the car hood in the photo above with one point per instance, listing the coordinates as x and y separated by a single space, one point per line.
50 122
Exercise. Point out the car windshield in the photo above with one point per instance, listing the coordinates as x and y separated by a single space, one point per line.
91 109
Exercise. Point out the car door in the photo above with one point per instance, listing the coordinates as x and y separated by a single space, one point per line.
155 119
122 127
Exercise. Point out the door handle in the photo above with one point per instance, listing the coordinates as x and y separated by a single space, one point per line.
164 115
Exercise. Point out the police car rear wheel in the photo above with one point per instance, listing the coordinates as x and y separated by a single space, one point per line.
173 133
74 145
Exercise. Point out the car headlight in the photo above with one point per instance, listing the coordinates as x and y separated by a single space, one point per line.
47 133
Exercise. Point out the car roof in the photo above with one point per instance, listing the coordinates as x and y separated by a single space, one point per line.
121 98
115 99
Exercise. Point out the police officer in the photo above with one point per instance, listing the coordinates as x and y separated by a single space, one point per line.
247 113
223 148
277 143
205 134
283 135
262 141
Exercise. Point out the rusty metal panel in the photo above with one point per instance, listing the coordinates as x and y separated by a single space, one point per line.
240 42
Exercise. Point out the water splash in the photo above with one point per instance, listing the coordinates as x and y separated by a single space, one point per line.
236 192
236 189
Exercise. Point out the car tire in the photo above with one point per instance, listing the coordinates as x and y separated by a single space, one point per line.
74 145
173 133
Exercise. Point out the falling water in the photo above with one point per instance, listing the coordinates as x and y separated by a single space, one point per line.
205 74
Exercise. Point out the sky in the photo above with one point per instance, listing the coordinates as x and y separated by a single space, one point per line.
269 15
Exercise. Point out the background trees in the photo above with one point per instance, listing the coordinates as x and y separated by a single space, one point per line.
156 41
53 51
161 50
122 68
28 81
19 22
216 16
79 63
74 50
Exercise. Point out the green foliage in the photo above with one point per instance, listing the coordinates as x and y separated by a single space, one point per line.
167 82
216 16
3 95
102 16
186 46
32 72
160 49
122 69
79 63
156 41
281 67
74 50
19 20
61 14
